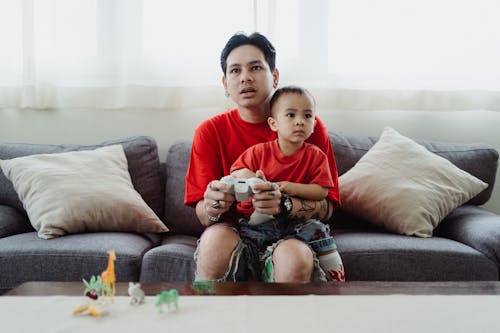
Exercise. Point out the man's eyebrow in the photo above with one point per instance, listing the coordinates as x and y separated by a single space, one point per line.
250 63
255 62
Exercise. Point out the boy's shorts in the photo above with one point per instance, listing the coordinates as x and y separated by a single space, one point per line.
252 257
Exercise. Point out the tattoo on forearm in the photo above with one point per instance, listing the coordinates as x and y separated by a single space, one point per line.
312 209
323 209
306 207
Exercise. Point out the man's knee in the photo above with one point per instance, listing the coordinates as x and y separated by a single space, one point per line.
215 248
293 261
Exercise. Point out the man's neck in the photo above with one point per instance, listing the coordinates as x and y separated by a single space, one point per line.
253 115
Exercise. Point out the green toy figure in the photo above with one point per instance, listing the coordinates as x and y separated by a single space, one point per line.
167 298
92 287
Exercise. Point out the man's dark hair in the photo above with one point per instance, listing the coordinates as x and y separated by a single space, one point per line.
255 39
289 90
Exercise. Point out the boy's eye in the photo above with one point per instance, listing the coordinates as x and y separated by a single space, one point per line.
307 115
290 115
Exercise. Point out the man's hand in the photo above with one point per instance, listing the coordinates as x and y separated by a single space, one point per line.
215 202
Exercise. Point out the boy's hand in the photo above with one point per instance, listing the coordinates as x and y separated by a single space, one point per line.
286 187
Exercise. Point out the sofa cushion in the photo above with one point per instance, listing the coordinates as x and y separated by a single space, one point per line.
13 222
480 160
400 185
475 227
80 191
171 261
26 257
142 158
370 255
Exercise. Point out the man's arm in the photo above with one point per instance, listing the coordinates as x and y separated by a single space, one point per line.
311 209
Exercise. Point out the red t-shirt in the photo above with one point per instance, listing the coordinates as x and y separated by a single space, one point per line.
220 140
308 165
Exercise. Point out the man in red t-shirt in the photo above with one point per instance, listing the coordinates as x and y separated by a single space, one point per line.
250 77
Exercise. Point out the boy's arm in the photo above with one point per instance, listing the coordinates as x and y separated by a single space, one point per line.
303 191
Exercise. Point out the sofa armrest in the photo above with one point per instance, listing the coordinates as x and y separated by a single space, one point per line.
475 227
13 222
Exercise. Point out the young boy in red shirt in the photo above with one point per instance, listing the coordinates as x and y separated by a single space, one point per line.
299 169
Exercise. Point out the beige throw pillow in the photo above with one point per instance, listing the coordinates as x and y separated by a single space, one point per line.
80 191
401 186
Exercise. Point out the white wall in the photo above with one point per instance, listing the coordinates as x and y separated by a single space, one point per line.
167 126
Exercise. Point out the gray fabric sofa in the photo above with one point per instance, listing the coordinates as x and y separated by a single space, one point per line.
465 246
26 257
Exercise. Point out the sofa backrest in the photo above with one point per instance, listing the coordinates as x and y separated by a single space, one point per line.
143 166
480 160
179 218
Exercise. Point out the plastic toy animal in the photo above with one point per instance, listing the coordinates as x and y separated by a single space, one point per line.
90 309
93 287
167 298
108 277
136 293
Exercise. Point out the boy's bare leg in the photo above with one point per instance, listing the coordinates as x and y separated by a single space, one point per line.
293 262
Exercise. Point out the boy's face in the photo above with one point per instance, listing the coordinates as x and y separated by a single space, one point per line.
293 117
249 80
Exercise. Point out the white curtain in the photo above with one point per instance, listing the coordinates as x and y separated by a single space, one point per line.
354 54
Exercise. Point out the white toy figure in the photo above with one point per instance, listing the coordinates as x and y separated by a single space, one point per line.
137 294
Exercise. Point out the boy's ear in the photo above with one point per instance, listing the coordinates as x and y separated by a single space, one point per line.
272 124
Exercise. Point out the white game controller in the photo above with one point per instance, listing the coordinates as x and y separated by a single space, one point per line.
242 189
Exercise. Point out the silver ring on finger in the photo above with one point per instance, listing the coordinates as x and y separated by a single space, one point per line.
274 186
216 204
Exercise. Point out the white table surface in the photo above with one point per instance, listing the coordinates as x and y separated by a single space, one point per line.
282 314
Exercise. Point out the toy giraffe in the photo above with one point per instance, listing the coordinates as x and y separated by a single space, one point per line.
108 277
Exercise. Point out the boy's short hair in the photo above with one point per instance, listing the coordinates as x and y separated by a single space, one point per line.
256 39
290 90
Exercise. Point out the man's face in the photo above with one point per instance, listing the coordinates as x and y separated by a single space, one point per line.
249 80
